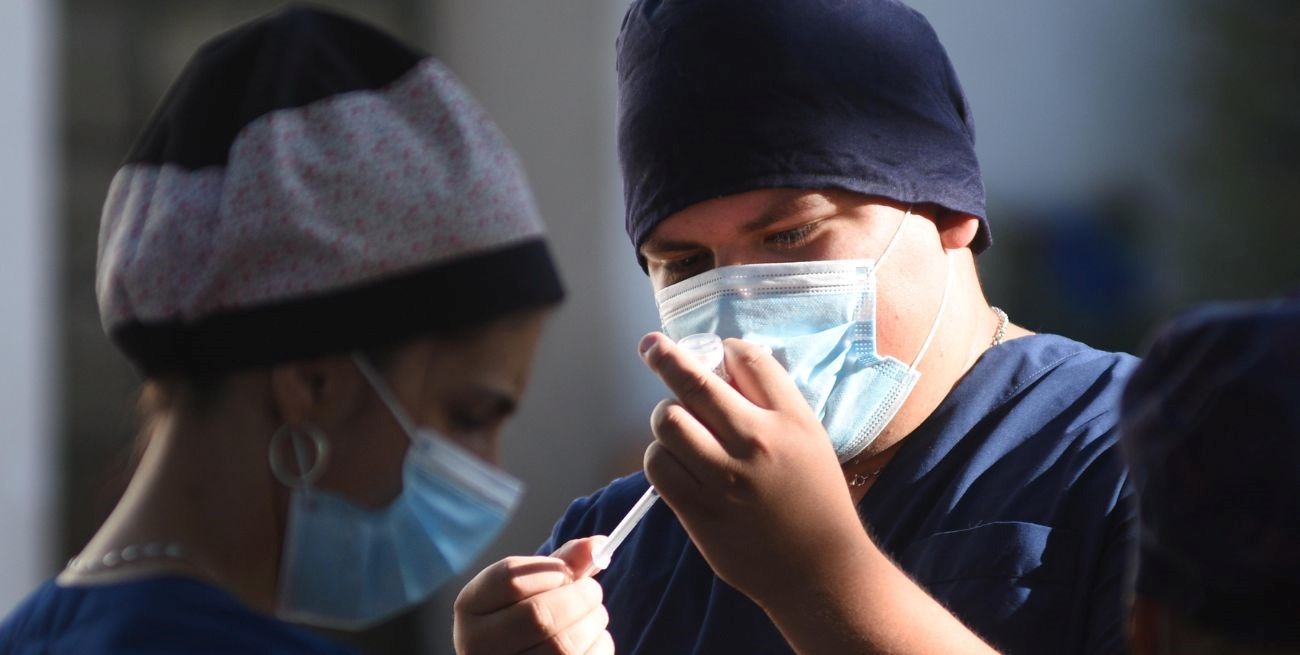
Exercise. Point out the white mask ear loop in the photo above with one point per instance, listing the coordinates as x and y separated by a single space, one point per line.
893 239
385 394
943 304
947 285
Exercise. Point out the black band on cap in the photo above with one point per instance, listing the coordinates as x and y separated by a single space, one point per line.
444 298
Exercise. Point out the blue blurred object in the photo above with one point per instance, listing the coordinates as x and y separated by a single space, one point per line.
1211 428
1091 264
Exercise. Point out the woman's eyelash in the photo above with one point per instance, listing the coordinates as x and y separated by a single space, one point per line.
468 423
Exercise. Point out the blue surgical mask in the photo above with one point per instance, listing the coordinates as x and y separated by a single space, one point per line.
819 319
348 567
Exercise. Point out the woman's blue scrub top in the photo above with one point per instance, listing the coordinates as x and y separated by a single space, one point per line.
1009 505
155 615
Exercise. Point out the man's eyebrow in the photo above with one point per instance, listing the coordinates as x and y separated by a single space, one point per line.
654 245
785 209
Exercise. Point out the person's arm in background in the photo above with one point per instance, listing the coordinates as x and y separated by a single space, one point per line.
534 605
762 496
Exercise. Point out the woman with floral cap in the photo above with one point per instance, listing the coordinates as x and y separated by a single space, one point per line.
325 261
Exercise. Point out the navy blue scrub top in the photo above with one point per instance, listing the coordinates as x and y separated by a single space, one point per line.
1009 505
156 615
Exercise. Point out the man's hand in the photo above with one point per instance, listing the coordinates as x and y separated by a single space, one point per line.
534 605
753 478
750 471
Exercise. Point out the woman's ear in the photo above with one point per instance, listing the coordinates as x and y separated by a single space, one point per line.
323 390
956 230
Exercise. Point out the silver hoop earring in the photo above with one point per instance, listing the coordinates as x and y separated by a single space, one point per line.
299 438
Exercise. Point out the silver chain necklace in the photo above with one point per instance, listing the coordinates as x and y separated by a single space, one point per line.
860 479
1001 332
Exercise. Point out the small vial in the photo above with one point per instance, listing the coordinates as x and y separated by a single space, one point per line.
707 350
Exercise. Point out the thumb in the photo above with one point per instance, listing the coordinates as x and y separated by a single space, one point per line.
578 555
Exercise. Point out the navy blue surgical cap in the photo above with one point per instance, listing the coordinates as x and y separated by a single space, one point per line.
1211 429
718 97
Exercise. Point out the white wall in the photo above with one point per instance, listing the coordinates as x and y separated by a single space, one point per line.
545 72
27 270
1069 97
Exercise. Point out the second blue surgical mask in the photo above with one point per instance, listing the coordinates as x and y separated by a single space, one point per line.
819 319
346 566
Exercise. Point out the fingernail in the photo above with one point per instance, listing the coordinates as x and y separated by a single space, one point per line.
646 341
766 349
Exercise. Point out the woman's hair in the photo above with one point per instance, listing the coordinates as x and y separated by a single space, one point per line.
162 395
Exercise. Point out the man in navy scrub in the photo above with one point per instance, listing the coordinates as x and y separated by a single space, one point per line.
893 466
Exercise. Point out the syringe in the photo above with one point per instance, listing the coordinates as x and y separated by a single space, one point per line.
600 559
707 349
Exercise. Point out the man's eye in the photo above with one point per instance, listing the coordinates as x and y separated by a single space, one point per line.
792 238
683 267
681 262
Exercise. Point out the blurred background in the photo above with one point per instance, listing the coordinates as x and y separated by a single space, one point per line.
1139 157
